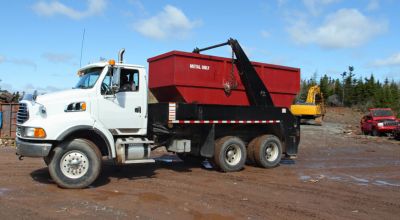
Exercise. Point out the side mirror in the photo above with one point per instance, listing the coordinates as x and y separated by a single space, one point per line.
116 80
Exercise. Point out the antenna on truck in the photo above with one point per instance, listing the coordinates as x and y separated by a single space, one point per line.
83 39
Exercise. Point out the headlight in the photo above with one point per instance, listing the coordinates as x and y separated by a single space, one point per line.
380 124
34 132
76 107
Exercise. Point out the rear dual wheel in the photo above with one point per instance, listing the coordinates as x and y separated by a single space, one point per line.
230 154
265 151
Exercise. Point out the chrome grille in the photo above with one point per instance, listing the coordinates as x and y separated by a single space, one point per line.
23 114
390 123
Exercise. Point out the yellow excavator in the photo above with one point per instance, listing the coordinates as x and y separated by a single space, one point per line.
313 108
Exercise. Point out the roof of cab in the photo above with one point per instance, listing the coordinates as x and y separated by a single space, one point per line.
105 63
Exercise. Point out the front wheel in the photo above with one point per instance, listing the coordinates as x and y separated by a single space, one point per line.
75 164
375 132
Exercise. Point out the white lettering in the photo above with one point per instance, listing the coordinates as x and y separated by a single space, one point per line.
199 67
194 66
204 67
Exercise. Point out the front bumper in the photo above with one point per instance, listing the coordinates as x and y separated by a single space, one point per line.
386 129
30 149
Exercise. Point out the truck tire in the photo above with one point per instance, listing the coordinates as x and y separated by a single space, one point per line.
268 151
375 132
229 154
75 164
46 160
250 151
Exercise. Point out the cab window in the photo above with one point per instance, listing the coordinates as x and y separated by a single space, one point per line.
129 81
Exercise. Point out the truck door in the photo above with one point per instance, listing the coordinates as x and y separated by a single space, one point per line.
367 125
124 113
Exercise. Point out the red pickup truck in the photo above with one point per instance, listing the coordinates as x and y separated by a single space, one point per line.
378 121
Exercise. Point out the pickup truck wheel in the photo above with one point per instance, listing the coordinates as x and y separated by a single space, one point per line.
230 154
75 164
268 151
375 132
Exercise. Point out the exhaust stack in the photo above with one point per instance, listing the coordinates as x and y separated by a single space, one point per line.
121 55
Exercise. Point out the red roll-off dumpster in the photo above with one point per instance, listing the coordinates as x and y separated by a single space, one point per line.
196 78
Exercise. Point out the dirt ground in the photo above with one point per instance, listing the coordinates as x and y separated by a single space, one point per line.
338 174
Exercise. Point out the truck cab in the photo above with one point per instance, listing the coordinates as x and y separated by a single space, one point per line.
109 100
92 103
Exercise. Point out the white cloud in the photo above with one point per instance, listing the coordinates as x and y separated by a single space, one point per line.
171 22
265 34
55 7
6 86
19 61
393 60
57 57
315 7
373 5
30 88
345 28
138 4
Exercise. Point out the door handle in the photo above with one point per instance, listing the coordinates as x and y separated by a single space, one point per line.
138 109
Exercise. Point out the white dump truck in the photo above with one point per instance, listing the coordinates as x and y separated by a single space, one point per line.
107 114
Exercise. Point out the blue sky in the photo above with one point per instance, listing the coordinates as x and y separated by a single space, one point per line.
41 39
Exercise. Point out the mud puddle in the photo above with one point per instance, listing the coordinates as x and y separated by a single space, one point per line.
358 180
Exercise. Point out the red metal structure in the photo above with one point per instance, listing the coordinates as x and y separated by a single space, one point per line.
8 122
196 78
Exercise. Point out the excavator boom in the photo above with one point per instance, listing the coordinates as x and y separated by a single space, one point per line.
312 93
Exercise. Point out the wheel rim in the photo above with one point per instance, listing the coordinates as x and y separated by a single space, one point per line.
233 154
271 152
74 164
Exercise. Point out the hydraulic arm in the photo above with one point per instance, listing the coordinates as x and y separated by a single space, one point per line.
256 91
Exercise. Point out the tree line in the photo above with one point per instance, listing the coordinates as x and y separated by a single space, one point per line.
353 91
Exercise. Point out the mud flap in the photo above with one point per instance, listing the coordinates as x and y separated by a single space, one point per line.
292 138
207 148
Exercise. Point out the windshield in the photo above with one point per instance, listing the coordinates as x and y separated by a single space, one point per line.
88 78
382 113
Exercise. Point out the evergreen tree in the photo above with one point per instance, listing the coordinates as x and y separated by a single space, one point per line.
364 93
